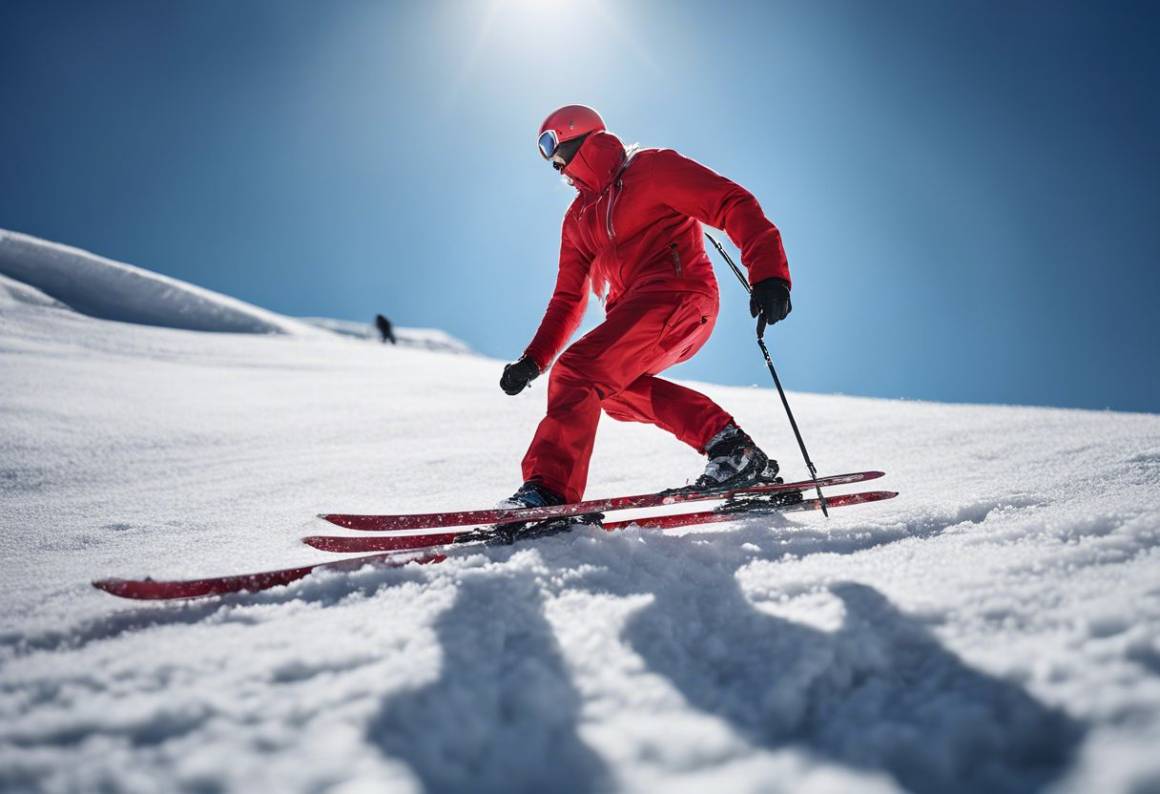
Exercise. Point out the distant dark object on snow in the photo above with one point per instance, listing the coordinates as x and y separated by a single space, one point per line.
431 339
384 326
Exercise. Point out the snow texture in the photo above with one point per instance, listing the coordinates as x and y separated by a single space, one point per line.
995 628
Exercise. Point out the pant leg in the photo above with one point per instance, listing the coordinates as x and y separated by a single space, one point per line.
687 414
641 335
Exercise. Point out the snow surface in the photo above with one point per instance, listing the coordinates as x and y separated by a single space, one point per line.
425 338
995 628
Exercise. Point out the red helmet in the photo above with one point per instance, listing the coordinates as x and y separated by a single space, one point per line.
567 124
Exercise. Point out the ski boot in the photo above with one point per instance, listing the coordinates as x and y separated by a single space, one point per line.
533 494
735 461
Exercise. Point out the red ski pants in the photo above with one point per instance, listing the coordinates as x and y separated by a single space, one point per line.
613 367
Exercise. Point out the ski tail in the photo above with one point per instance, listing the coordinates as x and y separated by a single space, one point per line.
677 520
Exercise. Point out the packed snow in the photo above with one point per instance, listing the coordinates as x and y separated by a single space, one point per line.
995 628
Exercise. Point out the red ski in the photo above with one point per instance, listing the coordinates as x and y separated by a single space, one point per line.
399 543
465 518
151 589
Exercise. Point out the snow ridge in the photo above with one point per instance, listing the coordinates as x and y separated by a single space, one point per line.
111 290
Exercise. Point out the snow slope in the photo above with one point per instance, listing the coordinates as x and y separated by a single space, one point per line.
102 288
111 290
426 338
995 628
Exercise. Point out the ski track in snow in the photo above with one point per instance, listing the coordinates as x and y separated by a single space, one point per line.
995 628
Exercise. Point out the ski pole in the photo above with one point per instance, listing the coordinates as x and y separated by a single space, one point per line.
772 371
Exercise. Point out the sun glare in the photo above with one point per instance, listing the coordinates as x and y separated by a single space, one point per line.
531 43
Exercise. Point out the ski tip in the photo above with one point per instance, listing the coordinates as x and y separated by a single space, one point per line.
123 588
862 476
874 496
341 520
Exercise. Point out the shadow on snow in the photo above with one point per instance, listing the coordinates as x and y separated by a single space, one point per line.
880 694
503 714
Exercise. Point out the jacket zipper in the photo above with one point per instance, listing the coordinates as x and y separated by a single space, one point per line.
612 194
676 257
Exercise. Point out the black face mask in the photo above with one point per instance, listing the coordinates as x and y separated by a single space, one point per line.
566 151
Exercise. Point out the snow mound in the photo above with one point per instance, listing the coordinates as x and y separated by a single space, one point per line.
110 290
14 293
422 338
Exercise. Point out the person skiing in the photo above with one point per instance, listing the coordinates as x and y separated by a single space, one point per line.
633 237
385 330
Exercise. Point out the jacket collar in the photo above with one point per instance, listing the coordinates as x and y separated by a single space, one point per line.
596 163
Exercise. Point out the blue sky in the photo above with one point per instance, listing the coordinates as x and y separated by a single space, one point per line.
968 193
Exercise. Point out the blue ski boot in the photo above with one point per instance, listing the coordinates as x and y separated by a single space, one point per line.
531 494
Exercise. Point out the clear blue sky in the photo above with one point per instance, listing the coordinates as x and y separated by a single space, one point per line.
968 192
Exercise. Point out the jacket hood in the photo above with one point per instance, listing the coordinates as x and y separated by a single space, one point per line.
596 163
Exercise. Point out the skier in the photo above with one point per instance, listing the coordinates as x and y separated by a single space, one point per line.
385 331
633 236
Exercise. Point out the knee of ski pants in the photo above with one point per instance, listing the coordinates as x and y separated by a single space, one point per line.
574 370
610 358
622 411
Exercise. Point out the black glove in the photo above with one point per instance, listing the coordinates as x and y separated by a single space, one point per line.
517 376
770 299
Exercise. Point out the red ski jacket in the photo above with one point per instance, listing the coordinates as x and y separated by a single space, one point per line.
636 227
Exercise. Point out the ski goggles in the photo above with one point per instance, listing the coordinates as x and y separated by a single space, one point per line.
549 144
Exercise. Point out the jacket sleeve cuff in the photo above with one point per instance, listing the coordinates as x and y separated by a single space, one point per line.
765 270
538 359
